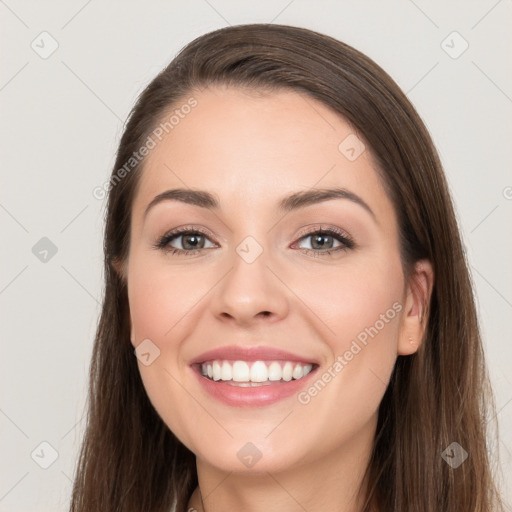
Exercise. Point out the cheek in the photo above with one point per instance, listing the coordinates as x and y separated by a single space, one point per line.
158 299
353 297
362 306
159 303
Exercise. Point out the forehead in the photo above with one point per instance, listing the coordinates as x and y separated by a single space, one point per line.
252 148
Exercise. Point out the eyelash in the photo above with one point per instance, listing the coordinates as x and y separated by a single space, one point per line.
347 241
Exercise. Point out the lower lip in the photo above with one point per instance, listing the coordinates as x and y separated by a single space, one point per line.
256 396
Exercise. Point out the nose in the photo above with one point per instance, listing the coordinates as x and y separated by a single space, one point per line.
250 292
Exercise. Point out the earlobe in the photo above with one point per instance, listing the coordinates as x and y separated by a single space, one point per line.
119 268
416 310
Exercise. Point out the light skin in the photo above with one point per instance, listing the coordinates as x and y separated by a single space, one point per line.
250 151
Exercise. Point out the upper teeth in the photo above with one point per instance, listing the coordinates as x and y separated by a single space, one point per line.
257 371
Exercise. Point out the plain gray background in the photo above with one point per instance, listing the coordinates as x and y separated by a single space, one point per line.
62 116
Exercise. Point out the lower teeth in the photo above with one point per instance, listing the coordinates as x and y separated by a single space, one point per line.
250 384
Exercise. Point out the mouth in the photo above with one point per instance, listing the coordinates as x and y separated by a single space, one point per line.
253 376
260 383
241 373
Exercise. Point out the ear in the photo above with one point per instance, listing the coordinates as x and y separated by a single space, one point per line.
120 268
415 317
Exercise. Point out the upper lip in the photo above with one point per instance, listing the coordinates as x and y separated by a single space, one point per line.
240 353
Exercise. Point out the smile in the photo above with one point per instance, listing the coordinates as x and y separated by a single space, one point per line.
259 383
254 372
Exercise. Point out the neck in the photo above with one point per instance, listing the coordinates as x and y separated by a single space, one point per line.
330 481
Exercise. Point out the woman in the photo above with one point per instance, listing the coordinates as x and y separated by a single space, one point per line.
288 320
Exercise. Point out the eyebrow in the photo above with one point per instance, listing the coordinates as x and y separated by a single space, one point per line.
295 201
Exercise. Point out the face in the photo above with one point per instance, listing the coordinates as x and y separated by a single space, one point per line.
251 275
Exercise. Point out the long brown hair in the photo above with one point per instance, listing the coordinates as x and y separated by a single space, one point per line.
131 461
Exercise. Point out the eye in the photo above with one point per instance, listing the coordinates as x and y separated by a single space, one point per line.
323 239
192 241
